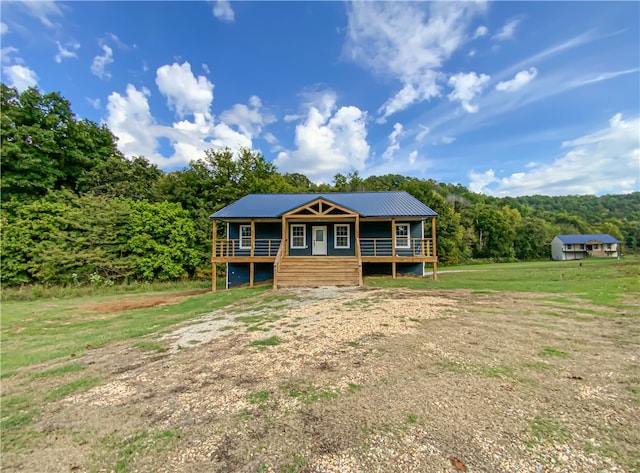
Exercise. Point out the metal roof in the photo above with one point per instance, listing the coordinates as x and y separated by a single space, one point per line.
367 204
582 239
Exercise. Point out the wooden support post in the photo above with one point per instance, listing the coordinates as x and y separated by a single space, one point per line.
283 241
253 236
251 273
433 235
435 271
214 281
393 248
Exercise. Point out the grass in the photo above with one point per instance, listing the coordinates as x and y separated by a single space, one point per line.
126 449
78 385
601 281
59 371
259 397
309 394
150 346
543 429
266 342
551 351
43 330
39 291
257 322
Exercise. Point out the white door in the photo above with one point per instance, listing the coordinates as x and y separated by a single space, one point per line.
319 240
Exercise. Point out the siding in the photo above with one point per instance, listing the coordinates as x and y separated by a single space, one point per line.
372 269
331 250
238 273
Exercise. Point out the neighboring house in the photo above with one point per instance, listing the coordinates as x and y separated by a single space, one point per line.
570 247
323 239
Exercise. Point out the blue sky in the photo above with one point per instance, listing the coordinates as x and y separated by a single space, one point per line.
506 98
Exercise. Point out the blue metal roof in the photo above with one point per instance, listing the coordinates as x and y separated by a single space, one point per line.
367 204
582 239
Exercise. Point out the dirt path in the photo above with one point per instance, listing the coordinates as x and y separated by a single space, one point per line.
360 380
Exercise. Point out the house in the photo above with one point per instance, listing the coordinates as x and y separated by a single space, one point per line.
570 247
323 239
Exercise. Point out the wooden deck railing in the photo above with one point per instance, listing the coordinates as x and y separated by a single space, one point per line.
262 247
383 247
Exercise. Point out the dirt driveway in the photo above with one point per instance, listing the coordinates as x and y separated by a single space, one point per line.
361 380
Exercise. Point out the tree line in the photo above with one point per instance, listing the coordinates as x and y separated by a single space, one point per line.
74 209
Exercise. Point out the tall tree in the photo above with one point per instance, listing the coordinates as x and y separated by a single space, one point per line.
43 147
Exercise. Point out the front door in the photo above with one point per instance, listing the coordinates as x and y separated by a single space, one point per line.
319 240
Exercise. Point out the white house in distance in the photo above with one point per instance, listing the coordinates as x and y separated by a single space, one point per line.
571 247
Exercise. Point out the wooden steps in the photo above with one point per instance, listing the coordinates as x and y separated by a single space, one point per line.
318 271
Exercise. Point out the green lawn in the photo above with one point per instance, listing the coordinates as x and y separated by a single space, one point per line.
42 330
608 282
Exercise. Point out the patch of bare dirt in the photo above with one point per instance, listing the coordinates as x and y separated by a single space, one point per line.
141 302
362 380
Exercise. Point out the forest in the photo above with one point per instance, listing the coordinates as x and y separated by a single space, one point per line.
75 210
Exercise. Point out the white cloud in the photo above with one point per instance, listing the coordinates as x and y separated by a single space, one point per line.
606 161
330 140
393 139
466 87
129 118
66 52
222 11
507 31
101 62
205 68
412 156
20 77
248 120
185 93
119 43
408 42
5 55
422 133
4 28
95 103
447 140
43 10
480 32
521 79
270 138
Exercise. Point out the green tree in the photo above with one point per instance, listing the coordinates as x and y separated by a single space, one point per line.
533 238
162 241
118 176
43 146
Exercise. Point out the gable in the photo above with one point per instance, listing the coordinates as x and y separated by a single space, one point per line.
321 208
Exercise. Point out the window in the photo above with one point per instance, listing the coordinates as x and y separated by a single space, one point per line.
402 235
298 236
341 234
245 236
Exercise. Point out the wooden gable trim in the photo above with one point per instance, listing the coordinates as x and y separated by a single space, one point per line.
320 208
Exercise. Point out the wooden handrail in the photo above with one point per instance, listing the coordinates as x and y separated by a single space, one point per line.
231 247
276 263
384 247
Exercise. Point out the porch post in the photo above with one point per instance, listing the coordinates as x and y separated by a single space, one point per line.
213 256
393 248
283 241
359 256
253 236
251 273
435 252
